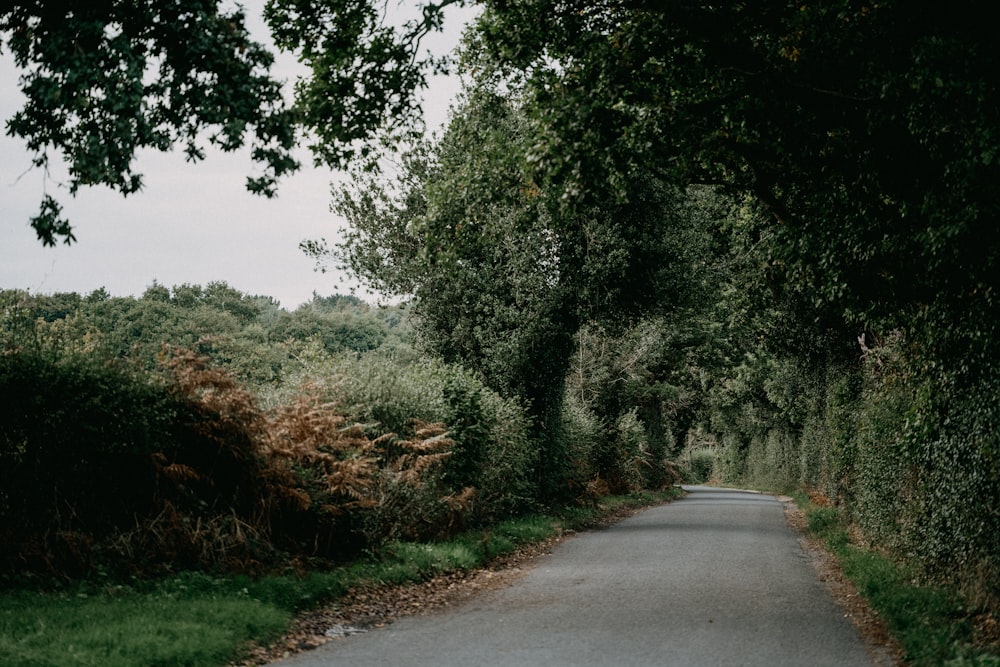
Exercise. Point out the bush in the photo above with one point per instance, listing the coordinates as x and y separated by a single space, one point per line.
506 487
77 439
624 455
952 524
105 467
581 437
701 465
492 449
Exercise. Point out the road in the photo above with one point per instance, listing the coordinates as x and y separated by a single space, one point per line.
715 579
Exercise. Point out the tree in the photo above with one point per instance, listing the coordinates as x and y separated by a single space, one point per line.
106 80
500 276
463 234
365 72
336 331
869 132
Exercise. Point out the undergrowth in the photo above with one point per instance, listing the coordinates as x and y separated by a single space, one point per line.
931 622
198 619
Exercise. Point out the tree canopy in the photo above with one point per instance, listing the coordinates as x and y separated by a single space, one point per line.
105 80
868 130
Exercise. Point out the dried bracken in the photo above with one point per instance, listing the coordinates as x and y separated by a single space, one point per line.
228 485
322 485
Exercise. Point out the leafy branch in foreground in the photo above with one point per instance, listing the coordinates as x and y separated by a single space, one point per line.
105 81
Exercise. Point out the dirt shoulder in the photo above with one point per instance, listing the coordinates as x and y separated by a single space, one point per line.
377 606
882 649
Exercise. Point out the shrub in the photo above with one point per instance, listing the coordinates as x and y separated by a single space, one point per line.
624 455
492 449
104 466
410 500
508 457
581 435
952 524
701 464
77 439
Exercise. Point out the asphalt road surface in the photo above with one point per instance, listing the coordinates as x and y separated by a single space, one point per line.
716 578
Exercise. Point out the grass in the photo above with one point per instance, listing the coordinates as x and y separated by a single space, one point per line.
133 629
202 620
931 623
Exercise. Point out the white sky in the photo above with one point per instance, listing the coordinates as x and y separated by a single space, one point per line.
192 223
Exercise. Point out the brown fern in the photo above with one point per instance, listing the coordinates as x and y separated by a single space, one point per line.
310 435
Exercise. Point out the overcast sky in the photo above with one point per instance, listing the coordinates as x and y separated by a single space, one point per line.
190 224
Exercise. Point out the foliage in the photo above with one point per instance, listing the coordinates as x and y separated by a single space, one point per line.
950 445
251 336
931 623
208 619
476 263
410 500
491 452
581 436
105 466
364 72
501 280
812 110
626 464
144 76
77 440
701 465
323 456
897 452
336 331
104 82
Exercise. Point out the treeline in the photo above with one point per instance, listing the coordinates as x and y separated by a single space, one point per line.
200 427
759 345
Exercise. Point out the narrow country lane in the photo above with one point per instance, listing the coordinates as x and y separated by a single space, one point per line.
716 578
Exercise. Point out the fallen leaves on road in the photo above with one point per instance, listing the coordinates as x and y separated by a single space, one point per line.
371 607
882 648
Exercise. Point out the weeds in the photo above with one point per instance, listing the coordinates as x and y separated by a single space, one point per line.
204 620
931 623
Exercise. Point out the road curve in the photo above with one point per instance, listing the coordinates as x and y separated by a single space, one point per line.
716 578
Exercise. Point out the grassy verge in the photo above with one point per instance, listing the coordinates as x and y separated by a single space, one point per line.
201 620
931 623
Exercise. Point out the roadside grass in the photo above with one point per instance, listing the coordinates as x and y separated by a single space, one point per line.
131 629
931 623
202 620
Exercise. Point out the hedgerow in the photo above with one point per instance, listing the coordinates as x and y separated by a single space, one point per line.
908 456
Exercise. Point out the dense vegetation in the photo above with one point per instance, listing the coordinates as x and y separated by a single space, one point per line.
756 238
691 314
202 428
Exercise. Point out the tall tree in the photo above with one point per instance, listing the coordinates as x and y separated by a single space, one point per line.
501 276
869 131
493 262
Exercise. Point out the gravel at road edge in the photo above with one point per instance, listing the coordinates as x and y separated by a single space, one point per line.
883 650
